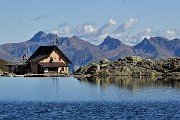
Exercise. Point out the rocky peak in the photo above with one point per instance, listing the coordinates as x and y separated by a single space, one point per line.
75 37
38 36
110 43
146 45
145 42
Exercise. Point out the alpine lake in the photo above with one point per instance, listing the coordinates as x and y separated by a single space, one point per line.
89 98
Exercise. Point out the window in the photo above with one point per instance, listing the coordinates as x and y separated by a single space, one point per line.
59 58
62 68
51 59
45 70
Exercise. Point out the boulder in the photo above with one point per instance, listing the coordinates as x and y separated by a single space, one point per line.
93 69
1 72
104 61
134 59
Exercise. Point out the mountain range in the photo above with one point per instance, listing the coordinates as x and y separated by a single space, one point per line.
81 52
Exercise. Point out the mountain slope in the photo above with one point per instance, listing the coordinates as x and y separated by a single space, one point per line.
4 55
18 49
114 48
81 52
157 47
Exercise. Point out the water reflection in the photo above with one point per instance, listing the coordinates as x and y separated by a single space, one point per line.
132 83
50 86
88 89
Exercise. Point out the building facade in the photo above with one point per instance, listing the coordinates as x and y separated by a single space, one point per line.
48 59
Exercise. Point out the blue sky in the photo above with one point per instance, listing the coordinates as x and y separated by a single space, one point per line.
92 20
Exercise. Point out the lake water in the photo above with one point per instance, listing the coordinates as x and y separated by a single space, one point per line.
92 98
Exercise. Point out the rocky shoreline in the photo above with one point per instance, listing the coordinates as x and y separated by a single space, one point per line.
133 66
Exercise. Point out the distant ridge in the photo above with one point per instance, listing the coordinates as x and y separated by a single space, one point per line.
110 44
157 47
81 52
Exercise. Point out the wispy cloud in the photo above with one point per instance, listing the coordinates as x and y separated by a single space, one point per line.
170 33
86 30
63 29
127 25
92 33
124 1
38 18
105 30
19 21
132 39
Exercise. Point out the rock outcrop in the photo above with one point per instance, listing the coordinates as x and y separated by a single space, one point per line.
132 66
2 66
1 72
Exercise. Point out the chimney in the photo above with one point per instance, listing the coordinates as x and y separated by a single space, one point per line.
57 42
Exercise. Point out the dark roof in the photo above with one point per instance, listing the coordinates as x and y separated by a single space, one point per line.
38 58
53 64
16 64
43 52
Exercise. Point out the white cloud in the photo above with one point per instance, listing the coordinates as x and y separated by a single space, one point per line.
55 32
94 34
112 22
170 34
106 28
132 39
147 33
64 29
148 30
130 23
101 37
85 30
127 25
90 31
